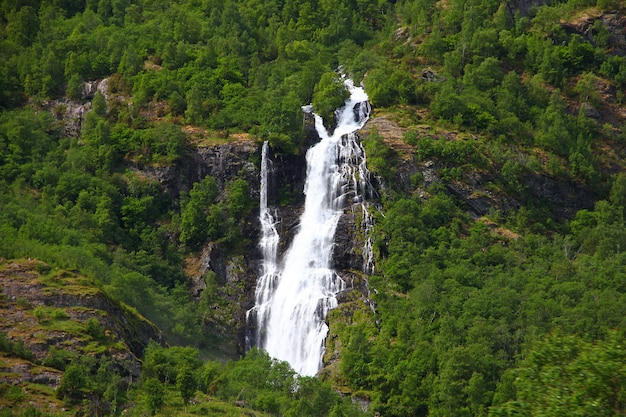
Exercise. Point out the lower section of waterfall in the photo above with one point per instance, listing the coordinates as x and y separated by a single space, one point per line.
293 295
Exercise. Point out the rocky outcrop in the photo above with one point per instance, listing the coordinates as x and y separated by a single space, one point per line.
226 284
482 190
15 371
42 313
225 162
72 113
613 23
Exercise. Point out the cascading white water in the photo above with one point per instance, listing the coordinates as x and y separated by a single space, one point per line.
269 247
293 297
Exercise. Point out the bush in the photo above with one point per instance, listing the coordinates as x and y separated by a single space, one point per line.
75 382
93 327
58 358
385 87
329 94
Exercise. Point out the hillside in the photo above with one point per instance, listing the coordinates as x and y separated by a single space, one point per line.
52 319
130 150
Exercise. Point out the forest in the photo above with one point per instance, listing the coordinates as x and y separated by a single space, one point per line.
517 312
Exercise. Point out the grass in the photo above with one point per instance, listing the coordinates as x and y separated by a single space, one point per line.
40 400
204 406
204 138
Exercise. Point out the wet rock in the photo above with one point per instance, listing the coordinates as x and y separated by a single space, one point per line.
347 253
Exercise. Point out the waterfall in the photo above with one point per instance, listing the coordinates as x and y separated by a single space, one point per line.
294 295
269 247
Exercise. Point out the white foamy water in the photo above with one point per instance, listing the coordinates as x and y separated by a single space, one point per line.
294 295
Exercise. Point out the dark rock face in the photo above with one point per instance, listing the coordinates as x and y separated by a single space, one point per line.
235 276
614 23
225 162
233 279
347 251
349 241
562 197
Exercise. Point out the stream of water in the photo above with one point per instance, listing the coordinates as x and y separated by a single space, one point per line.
295 293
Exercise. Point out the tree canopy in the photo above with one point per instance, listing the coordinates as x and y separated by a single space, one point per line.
516 310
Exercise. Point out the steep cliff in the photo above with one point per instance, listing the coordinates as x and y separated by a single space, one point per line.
52 317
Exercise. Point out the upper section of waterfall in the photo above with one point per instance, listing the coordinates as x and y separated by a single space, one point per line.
350 117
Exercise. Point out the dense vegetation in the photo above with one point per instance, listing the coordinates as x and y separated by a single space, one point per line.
72 201
520 312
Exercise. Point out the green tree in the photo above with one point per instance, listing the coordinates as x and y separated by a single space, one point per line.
23 25
355 359
193 218
52 78
618 193
94 328
99 104
130 63
556 127
564 375
75 87
186 384
75 382
154 394
328 95
195 112
386 87
586 88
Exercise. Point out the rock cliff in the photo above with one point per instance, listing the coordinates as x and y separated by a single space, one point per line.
44 309
235 276
482 190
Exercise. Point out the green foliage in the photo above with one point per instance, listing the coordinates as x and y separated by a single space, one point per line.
454 152
328 95
204 218
186 384
468 304
154 394
17 348
58 358
45 314
99 105
379 156
460 302
386 87
566 375
355 359
194 214
165 364
75 382
556 129
95 378
94 328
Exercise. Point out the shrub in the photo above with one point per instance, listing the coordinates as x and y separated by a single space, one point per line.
93 327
